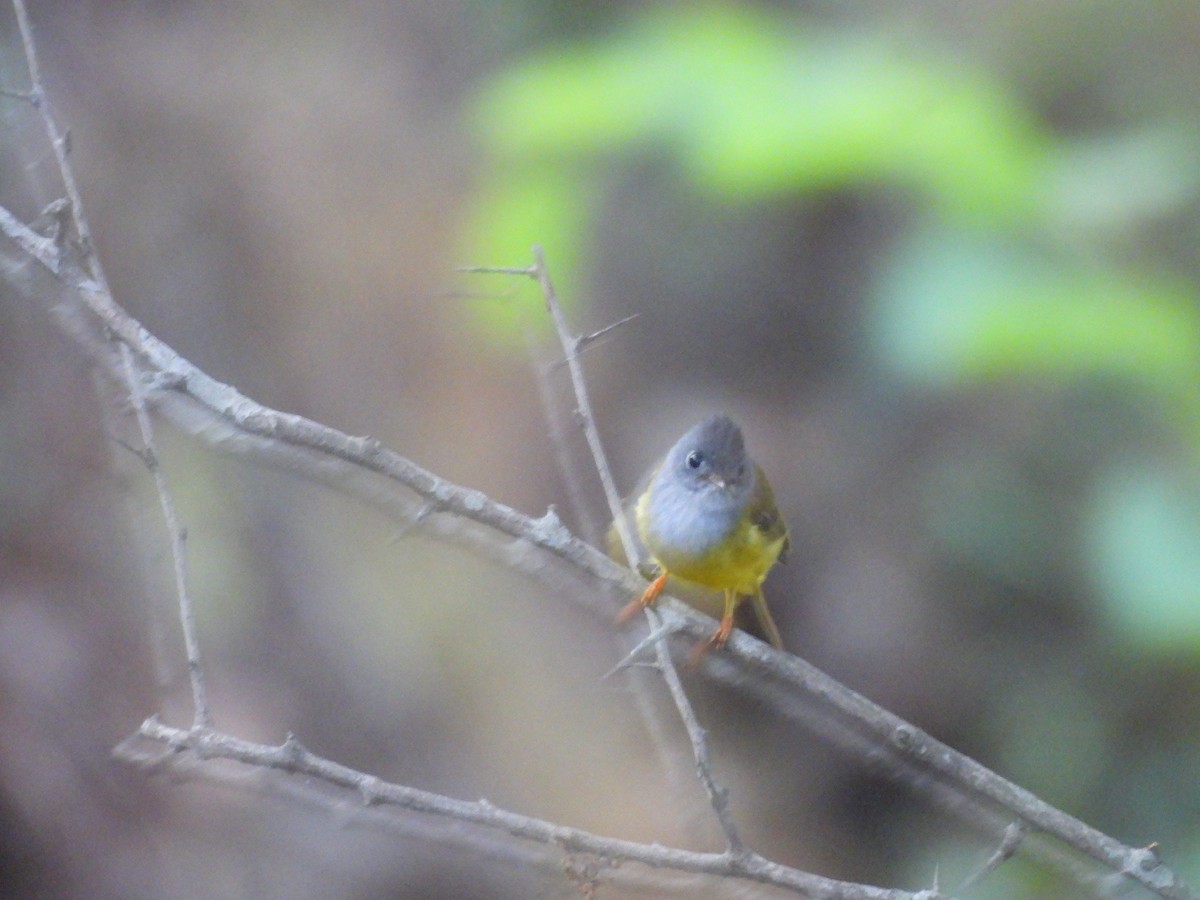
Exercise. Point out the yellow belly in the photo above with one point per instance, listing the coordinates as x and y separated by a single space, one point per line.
739 563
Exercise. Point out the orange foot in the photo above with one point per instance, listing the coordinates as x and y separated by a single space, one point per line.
721 635
716 642
634 607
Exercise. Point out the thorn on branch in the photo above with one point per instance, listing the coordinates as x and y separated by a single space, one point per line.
292 750
1146 858
54 222
905 738
1150 857
145 455
524 271
550 531
583 341
370 790
630 659
427 509
1014 836
150 762
368 447
30 97
163 381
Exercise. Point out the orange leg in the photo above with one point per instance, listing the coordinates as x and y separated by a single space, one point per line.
721 635
648 597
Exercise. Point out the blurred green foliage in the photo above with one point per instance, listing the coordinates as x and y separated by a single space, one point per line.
749 108
1143 551
1005 274
957 306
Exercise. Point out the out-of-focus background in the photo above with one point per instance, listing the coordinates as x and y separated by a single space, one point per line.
938 259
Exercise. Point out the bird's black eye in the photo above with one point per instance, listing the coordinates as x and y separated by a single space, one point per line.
694 459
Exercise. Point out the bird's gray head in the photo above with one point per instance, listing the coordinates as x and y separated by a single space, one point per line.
712 455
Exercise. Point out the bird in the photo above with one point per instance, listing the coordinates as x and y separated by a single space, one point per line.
708 516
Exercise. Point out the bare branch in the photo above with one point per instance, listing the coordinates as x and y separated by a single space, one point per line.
583 405
718 797
60 143
644 703
201 715
562 455
59 140
291 756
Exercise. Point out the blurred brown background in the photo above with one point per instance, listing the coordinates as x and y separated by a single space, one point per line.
282 193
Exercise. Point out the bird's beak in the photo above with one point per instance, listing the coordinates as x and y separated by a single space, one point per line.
717 480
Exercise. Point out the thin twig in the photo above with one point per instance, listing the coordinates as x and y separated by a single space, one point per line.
59 140
587 420
562 454
292 756
201 714
572 346
60 144
718 797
